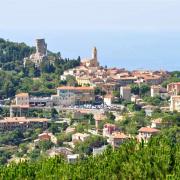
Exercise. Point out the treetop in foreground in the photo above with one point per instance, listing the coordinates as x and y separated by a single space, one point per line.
159 159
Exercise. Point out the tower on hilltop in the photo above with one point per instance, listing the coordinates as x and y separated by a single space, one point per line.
40 55
41 47
94 53
93 61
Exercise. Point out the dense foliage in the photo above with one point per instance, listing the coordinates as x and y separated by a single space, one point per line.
140 89
159 159
39 81
12 54
174 77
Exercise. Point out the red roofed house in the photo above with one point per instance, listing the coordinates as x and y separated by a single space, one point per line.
117 138
46 137
146 132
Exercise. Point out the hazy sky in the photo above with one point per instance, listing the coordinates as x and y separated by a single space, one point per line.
125 31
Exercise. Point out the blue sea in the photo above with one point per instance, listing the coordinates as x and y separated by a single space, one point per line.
130 50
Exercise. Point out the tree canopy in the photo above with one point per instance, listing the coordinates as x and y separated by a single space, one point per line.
159 159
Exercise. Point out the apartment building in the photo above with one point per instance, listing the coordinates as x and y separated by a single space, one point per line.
75 95
23 123
23 99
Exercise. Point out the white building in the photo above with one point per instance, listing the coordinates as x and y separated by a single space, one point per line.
80 137
22 99
72 158
108 100
70 95
67 96
145 133
149 109
175 103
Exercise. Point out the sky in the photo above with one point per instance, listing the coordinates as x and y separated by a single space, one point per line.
135 34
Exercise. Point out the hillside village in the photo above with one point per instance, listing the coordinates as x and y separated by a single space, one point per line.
91 108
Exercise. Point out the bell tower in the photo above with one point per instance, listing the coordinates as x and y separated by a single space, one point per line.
94 58
94 53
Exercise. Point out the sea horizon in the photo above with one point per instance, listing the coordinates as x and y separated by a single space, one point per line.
148 50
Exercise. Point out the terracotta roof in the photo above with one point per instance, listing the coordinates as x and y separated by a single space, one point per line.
22 119
119 135
152 77
85 88
124 78
148 129
75 88
22 94
20 106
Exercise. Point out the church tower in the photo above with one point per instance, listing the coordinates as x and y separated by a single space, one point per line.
94 53
94 57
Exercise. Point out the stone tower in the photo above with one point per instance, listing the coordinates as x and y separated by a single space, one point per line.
94 53
95 62
41 47
40 55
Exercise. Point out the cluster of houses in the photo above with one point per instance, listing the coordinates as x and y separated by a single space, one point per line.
90 75
69 96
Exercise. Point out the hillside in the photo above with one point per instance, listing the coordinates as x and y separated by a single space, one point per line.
158 160
12 54
41 80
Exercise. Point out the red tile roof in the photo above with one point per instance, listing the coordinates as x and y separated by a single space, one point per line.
119 135
22 94
148 129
